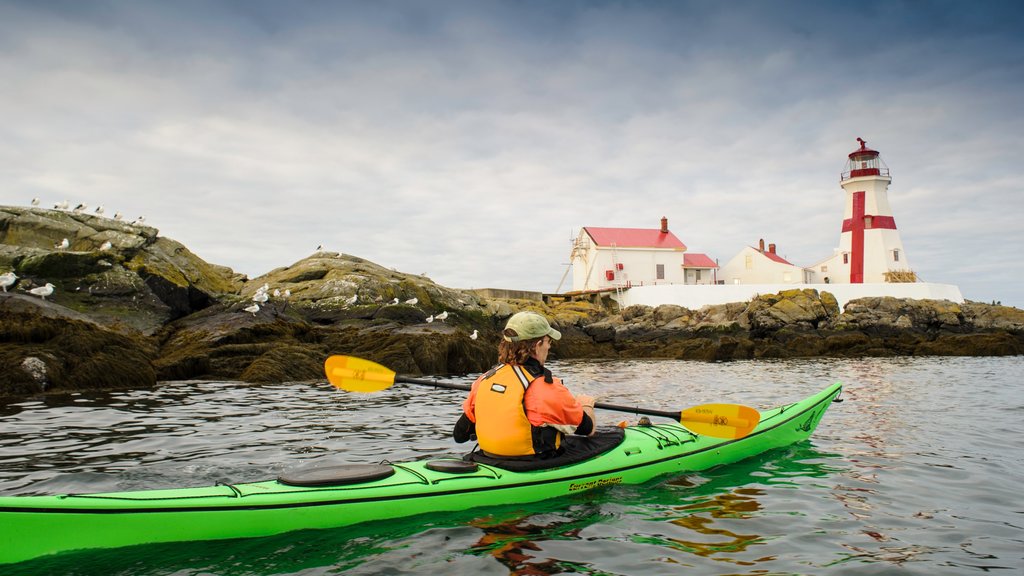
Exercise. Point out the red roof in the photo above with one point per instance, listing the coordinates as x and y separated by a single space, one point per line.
698 261
773 256
634 238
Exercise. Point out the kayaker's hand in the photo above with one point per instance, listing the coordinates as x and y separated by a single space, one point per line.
585 401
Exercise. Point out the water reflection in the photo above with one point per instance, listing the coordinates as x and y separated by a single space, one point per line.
918 471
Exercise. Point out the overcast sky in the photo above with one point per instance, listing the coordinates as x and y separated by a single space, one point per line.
471 140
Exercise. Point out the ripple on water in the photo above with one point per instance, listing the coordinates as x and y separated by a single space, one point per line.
918 472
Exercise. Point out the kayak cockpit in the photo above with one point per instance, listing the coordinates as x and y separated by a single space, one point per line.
576 449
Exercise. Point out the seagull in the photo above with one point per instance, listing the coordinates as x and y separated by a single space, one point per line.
260 297
80 208
254 309
42 291
393 302
8 279
106 246
63 245
287 293
319 247
430 318
442 316
412 301
98 210
118 215
61 205
138 221
474 335
35 201
277 292
352 300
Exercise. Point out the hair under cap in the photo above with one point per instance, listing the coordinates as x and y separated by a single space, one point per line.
529 325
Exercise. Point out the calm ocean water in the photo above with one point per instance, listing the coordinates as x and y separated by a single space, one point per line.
919 471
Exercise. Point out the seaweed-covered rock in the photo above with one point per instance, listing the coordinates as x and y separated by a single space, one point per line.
46 347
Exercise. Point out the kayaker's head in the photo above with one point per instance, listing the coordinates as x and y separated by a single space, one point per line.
526 335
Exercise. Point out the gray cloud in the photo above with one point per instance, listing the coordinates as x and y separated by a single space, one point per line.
468 140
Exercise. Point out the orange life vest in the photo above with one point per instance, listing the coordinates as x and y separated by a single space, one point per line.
502 428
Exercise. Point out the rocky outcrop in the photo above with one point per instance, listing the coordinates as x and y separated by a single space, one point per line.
123 276
144 309
804 323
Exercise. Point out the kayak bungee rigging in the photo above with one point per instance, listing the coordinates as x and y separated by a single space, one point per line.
336 496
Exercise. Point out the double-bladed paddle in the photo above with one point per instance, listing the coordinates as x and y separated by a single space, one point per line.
717 420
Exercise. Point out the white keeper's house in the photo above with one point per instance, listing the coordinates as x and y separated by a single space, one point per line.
619 258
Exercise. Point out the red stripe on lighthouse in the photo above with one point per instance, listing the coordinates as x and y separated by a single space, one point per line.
877 222
857 239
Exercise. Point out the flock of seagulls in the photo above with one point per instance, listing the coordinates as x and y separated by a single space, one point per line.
82 208
442 316
262 296
97 211
8 279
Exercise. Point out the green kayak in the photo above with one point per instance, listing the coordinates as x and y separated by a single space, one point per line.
33 526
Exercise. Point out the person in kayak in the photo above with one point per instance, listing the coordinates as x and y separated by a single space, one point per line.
518 408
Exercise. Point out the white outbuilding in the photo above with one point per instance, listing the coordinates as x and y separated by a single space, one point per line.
760 266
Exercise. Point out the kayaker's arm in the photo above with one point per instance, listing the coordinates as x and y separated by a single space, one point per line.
464 430
586 427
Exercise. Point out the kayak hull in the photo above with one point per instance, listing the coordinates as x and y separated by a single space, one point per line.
34 526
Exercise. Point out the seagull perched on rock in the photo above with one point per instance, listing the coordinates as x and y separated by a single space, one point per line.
442 316
412 301
319 248
430 319
62 245
277 292
35 201
80 208
8 279
260 297
61 205
474 335
42 291
118 216
98 211
393 302
287 293
138 221
106 246
352 300
254 309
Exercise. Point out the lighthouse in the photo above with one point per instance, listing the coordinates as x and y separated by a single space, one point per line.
869 245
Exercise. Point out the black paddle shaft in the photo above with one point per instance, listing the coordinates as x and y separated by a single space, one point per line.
613 407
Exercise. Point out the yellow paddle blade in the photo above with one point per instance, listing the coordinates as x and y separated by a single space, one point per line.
357 375
721 420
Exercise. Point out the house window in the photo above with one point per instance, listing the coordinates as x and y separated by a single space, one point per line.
824 268
749 262
846 258
895 255
698 275
660 271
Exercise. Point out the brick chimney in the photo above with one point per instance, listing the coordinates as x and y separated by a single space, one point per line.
760 246
771 248
664 225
